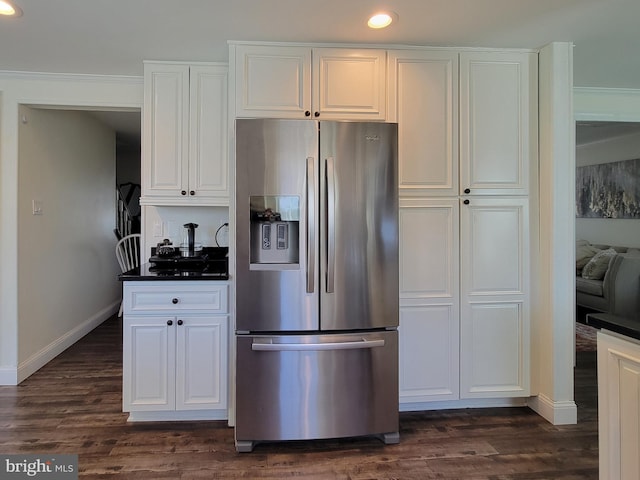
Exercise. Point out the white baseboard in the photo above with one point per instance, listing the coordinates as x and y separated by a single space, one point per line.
458 404
177 415
55 348
556 413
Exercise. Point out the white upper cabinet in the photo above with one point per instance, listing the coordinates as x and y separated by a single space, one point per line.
272 81
300 82
184 159
423 100
349 84
498 121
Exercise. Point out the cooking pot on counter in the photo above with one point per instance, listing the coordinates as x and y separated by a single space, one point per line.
165 249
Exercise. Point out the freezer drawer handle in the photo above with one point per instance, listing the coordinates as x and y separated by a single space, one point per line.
268 346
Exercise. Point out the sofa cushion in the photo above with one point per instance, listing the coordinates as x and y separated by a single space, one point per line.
584 253
590 287
597 266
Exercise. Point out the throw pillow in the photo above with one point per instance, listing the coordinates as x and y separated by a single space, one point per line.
584 253
598 265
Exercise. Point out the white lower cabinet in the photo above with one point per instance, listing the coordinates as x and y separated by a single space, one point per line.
175 350
464 300
618 407
429 298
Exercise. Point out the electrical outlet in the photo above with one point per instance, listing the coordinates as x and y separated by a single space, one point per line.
157 229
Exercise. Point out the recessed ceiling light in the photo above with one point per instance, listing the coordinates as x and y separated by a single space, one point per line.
9 9
382 19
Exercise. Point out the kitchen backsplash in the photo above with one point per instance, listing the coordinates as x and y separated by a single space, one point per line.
167 222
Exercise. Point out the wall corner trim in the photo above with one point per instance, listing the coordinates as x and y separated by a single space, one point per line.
556 413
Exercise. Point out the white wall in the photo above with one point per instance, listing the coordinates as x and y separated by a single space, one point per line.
167 222
553 303
610 231
67 266
53 90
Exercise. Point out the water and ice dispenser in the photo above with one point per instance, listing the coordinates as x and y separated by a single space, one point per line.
275 224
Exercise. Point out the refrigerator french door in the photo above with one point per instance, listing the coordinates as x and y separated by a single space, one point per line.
316 280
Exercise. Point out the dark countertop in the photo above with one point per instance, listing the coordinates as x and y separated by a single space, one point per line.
627 326
212 265
148 271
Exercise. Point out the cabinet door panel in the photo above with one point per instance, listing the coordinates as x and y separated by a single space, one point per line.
493 347
494 315
428 248
495 246
423 100
176 296
149 360
208 132
201 376
166 121
273 81
429 300
349 84
429 354
498 121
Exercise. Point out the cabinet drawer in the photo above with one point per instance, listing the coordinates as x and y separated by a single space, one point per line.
170 298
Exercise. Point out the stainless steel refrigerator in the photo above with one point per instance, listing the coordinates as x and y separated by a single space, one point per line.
316 280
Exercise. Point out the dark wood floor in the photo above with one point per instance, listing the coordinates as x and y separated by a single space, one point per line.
73 405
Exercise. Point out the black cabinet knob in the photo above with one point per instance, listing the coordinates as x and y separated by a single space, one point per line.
467 190
316 114
180 322
183 192
466 202
169 322
307 113
174 300
192 192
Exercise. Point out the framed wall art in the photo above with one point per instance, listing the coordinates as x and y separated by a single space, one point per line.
608 190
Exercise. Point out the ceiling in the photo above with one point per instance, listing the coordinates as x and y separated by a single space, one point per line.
590 132
115 36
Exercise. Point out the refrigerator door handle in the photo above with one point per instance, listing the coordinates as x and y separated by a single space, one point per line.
331 224
311 225
266 345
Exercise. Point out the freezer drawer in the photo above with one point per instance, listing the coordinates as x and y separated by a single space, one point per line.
301 387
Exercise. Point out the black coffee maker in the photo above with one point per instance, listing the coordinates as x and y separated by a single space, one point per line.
189 247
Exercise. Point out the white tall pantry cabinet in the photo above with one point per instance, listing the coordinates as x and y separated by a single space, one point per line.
467 123
467 139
